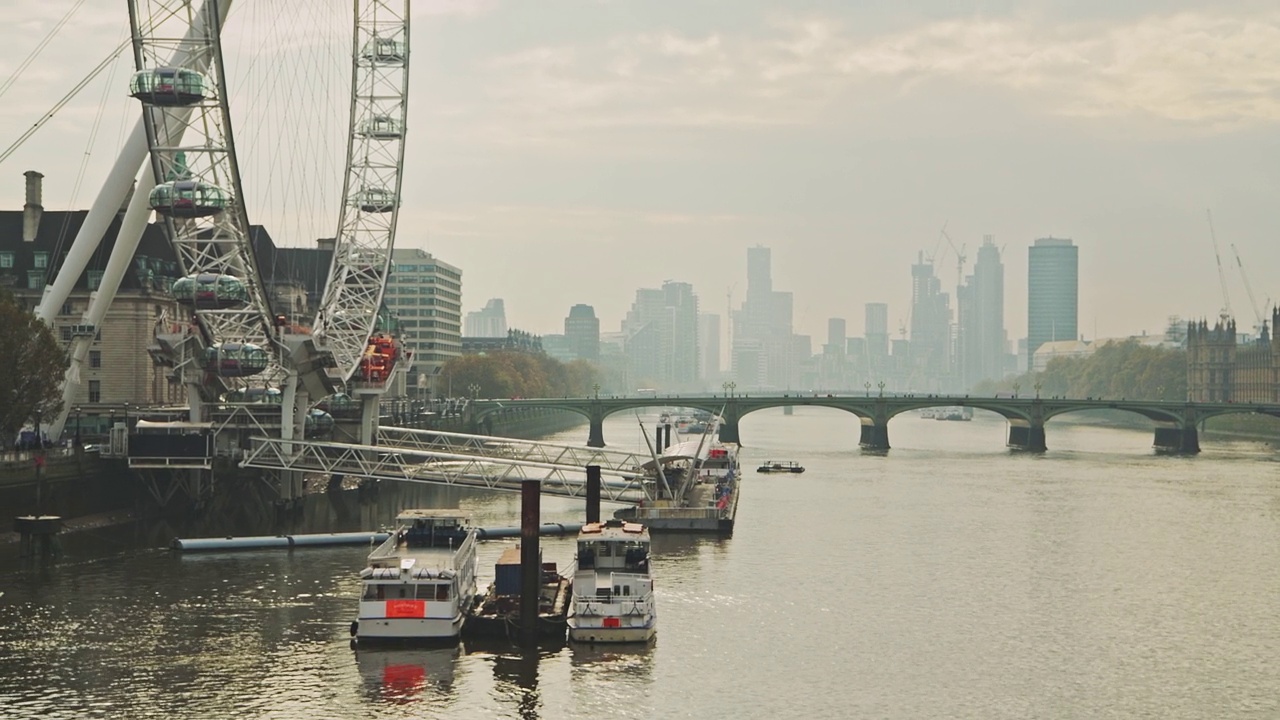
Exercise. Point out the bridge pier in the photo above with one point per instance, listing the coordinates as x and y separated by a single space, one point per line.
875 436
595 436
1177 440
1025 436
729 432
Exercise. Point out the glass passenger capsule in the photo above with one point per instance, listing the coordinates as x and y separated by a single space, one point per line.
318 423
168 86
188 199
375 200
381 127
270 396
385 51
340 405
235 359
209 290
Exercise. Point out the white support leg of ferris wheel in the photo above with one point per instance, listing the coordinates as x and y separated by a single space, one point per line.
110 198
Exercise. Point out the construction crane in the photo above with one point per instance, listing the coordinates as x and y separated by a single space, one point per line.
1261 322
960 256
1222 277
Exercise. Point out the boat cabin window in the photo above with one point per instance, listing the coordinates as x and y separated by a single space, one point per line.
375 592
606 549
442 592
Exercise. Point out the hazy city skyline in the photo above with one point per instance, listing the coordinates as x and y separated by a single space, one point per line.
571 152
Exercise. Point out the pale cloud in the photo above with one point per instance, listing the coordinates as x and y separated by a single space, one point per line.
464 8
1205 69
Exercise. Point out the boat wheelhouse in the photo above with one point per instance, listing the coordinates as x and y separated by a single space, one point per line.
613 585
421 582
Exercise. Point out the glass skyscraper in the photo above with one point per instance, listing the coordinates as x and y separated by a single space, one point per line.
1053 293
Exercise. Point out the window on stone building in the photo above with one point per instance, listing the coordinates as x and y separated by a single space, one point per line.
95 358
35 279
6 259
41 260
95 279
65 333
95 391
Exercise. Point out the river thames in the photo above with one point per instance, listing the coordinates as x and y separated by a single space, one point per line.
949 578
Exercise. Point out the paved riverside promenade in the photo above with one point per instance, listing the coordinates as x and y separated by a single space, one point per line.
1175 422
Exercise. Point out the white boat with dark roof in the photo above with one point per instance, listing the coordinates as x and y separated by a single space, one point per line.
419 583
613 586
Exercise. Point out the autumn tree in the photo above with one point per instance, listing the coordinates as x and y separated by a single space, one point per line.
33 365
517 374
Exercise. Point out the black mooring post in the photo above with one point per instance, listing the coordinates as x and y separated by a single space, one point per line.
530 560
593 493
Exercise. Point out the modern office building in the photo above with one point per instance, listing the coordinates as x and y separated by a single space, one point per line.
931 366
764 355
709 347
582 332
662 337
425 294
488 322
980 335
1053 304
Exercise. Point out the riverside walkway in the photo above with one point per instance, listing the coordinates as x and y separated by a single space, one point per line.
1175 422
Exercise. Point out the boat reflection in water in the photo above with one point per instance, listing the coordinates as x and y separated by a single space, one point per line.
405 676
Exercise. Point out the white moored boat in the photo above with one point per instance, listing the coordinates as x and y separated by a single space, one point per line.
421 581
613 588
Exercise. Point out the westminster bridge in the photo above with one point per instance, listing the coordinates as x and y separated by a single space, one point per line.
1175 422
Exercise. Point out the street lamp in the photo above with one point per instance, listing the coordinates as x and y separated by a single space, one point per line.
732 386
1015 389
725 387
867 385
881 386
78 446
475 390
1160 393
596 388
1037 390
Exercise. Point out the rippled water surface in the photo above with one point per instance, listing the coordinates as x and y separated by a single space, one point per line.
948 578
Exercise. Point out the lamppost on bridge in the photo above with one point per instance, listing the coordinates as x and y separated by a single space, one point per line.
881 386
730 387
596 388
1160 393
1037 390
1015 389
475 390
867 385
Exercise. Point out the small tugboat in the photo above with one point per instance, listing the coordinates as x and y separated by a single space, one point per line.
613 587
779 467
421 581
497 614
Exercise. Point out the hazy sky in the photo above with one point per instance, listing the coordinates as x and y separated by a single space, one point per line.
570 151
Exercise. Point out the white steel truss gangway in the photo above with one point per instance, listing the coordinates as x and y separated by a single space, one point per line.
496 471
501 449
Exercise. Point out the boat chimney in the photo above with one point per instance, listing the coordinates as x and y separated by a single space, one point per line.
530 560
32 211
593 493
